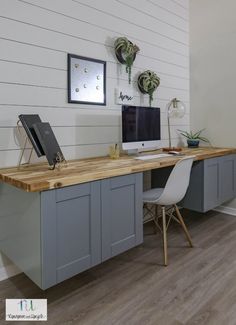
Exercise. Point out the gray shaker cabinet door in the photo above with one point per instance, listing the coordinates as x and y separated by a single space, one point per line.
211 183
71 231
219 180
227 177
122 218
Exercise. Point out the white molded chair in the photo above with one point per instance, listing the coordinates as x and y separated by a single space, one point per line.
173 192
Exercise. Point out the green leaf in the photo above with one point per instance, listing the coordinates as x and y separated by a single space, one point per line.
196 135
148 81
184 135
203 139
128 50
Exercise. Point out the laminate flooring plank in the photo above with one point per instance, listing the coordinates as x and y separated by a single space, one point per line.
197 287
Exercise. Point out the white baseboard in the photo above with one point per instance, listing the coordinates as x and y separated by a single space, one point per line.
226 210
8 271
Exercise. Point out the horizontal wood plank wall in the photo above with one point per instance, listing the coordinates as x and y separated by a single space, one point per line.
35 37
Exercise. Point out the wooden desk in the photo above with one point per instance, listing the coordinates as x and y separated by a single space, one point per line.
38 177
56 224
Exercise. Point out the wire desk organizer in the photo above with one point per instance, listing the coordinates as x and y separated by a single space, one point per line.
59 161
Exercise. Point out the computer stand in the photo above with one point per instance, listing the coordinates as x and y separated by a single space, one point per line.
132 152
137 152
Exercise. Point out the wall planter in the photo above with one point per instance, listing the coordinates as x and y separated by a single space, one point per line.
148 82
126 52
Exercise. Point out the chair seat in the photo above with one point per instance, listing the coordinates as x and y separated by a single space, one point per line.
152 195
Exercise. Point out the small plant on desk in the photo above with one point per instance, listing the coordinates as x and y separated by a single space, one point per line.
193 139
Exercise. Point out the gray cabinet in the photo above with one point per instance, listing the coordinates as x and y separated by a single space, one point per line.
212 182
86 224
56 234
83 225
122 226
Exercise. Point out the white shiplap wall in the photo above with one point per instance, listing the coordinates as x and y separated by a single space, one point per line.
35 37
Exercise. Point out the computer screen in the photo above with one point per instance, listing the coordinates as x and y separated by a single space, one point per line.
140 124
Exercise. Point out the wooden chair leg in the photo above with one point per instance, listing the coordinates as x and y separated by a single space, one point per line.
164 235
181 220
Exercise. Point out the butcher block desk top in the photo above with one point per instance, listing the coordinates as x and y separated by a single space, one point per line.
37 177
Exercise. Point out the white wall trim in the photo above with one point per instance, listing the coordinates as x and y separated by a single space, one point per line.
226 210
8 271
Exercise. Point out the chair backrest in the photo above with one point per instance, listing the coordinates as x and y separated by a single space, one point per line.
177 183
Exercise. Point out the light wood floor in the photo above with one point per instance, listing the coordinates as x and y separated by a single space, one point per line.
198 287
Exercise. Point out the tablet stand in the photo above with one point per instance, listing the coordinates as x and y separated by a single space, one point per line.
60 161
24 146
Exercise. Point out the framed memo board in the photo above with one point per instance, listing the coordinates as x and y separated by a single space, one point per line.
86 80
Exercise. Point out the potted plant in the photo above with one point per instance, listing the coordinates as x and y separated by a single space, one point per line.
126 52
193 139
148 82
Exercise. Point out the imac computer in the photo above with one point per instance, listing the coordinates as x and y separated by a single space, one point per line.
141 128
